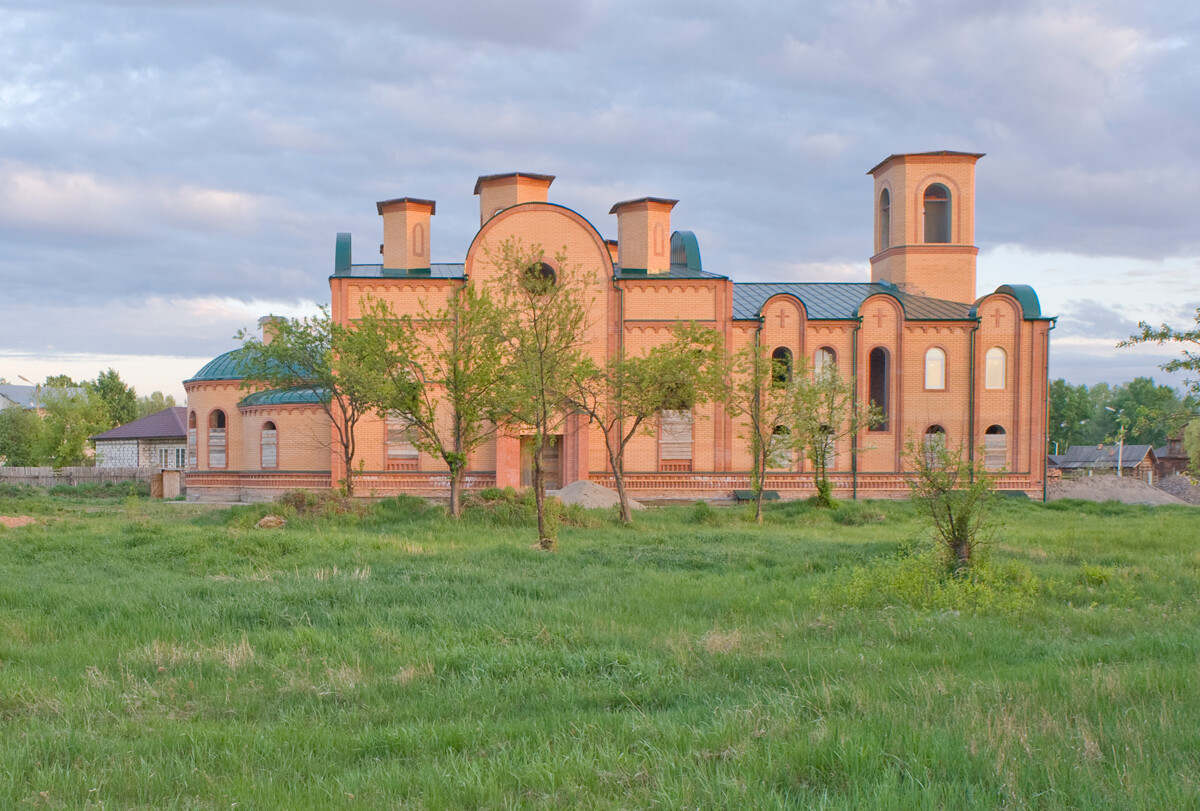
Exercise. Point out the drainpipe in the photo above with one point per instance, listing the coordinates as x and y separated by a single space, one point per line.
971 403
1046 406
620 333
854 405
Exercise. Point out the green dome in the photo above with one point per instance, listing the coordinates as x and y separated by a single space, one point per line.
222 367
301 395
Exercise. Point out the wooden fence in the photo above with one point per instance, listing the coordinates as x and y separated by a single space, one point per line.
48 476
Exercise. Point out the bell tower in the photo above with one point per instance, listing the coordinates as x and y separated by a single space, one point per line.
925 224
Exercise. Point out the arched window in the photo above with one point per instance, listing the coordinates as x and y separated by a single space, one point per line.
216 440
402 454
781 367
539 278
935 369
824 359
995 448
934 443
193 458
878 385
270 446
675 442
885 220
779 455
994 371
937 213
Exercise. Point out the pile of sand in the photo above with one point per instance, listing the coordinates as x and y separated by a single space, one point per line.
1125 489
11 521
590 494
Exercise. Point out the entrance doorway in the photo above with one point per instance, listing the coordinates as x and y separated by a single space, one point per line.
551 466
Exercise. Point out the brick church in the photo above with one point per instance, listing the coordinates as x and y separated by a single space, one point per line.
935 356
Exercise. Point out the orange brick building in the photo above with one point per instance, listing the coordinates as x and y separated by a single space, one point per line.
916 338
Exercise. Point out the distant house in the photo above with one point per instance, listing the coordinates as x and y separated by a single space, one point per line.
159 440
1172 458
1086 460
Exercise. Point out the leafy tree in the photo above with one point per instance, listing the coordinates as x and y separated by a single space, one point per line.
1070 411
953 493
822 411
630 393
119 400
1150 411
153 404
61 382
544 311
1191 444
71 416
759 394
21 442
307 354
439 374
1163 334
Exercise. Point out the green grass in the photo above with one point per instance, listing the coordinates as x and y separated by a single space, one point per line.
172 656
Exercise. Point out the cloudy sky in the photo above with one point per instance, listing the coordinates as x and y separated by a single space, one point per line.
172 169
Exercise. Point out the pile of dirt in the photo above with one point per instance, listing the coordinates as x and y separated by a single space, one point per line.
1181 487
590 494
1125 489
12 521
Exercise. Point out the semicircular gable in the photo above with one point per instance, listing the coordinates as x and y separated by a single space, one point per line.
522 222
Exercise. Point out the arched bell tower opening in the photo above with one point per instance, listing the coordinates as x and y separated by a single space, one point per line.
925 224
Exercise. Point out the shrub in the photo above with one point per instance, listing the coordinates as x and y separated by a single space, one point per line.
703 513
854 514
953 493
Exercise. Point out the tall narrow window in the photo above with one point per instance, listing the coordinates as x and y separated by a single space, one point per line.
937 213
934 443
781 367
885 220
401 453
675 442
878 388
779 455
994 371
995 448
270 446
216 440
193 461
935 369
824 360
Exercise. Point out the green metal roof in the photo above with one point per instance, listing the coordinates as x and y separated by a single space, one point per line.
453 270
840 301
222 367
1031 308
676 272
300 395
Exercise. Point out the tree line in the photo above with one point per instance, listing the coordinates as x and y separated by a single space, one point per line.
1145 412
66 413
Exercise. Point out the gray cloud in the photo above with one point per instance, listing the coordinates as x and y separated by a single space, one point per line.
207 148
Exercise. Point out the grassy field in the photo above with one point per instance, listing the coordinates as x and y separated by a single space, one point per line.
172 656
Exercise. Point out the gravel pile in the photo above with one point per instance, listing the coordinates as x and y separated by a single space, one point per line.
1181 487
1127 490
591 495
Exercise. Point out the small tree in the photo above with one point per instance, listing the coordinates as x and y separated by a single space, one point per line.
154 403
120 401
1162 334
1191 444
822 411
72 415
307 354
544 318
630 393
954 493
759 394
440 375
21 442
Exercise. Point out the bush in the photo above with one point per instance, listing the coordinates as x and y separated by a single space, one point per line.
854 514
101 490
508 508
321 504
918 578
704 514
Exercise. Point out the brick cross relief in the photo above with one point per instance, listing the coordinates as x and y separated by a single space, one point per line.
879 319
996 315
783 319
